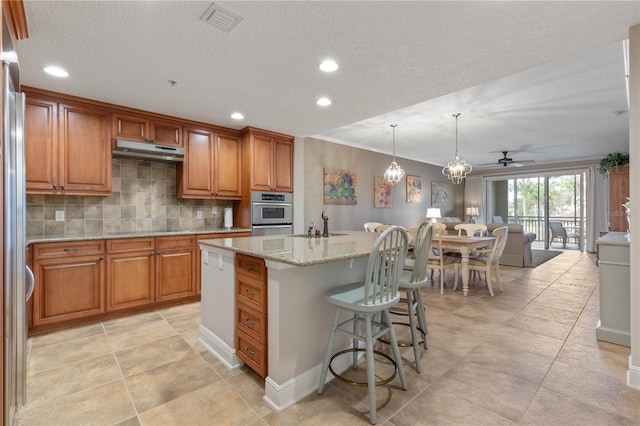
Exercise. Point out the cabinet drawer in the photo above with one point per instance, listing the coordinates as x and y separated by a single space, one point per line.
68 249
252 293
252 353
252 323
126 245
252 267
175 242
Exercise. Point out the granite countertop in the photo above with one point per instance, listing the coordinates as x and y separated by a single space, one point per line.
145 234
614 239
298 249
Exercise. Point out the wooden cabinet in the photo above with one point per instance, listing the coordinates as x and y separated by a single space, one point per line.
211 167
175 267
251 312
67 148
70 281
618 193
146 129
267 160
130 273
41 145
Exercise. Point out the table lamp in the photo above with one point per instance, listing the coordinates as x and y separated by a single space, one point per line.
473 212
433 214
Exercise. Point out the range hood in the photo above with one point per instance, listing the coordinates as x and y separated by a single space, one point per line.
129 149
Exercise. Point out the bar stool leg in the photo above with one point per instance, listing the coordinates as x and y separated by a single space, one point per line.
414 329
422 320
371 375
327 355
394 346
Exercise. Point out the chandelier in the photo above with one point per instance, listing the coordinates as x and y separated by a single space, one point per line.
457 168
394 173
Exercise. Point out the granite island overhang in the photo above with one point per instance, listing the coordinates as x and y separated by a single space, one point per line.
298 319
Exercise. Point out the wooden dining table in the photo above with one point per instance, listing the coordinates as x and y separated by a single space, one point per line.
464 245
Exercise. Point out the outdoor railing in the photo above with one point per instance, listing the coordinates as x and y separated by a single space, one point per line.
536 224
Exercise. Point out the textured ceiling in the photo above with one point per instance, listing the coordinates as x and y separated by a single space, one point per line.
542 78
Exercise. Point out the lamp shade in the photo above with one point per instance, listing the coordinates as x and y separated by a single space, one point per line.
472 211
433 213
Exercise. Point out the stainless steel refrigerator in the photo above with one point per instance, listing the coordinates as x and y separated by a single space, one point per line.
18 279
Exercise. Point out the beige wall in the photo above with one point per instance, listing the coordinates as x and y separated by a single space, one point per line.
319 154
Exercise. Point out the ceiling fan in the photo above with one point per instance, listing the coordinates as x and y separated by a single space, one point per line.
506 161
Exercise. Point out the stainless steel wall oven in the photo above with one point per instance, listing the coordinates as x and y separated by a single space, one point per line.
271 213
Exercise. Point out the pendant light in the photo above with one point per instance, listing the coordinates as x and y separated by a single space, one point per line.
457 168
394 173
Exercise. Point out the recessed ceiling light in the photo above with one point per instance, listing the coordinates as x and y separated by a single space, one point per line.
323 101
237 116
56 71
328 65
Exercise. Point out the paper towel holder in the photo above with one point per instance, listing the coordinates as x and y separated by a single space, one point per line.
228 218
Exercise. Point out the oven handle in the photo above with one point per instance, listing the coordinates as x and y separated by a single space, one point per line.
272 226
273 204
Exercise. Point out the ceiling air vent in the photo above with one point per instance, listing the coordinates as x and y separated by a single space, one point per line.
221 18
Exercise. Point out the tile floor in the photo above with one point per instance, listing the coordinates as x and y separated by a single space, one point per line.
527 356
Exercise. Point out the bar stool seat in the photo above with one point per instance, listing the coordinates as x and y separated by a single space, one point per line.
369 302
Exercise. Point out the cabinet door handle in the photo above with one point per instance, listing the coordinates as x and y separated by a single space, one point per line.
62 186
249 267
158 252
249 351
250 292
55 185
101 257
152 253
249 321
71 249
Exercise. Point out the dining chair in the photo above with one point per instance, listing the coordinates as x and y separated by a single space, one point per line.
371 226
442 261
414 278
559 231
369 302
471 229
489 263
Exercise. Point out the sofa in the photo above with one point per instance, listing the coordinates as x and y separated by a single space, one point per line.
517 250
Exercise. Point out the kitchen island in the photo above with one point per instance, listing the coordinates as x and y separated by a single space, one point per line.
298 272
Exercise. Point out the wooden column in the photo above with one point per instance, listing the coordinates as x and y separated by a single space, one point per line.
618 193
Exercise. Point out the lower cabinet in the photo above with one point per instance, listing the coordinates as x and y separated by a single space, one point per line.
70 281
88 281
251 312
130 273
175 267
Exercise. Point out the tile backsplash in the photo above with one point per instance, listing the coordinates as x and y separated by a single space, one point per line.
143 199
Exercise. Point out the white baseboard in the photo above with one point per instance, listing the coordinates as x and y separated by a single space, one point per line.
633 375
222 351
280 396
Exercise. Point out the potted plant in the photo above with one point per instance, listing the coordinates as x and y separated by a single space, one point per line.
613 160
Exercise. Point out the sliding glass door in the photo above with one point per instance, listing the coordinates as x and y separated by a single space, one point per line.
535 201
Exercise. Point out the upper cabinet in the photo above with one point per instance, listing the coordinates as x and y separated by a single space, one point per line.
67 147
267 160
146 129
212 165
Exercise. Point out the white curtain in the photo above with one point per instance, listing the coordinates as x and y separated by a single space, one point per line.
474 196
597 216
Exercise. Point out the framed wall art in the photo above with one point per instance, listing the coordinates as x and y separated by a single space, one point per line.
439 196
340 186
382 195
414 189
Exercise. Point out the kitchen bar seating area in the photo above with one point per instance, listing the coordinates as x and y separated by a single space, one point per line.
528 355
